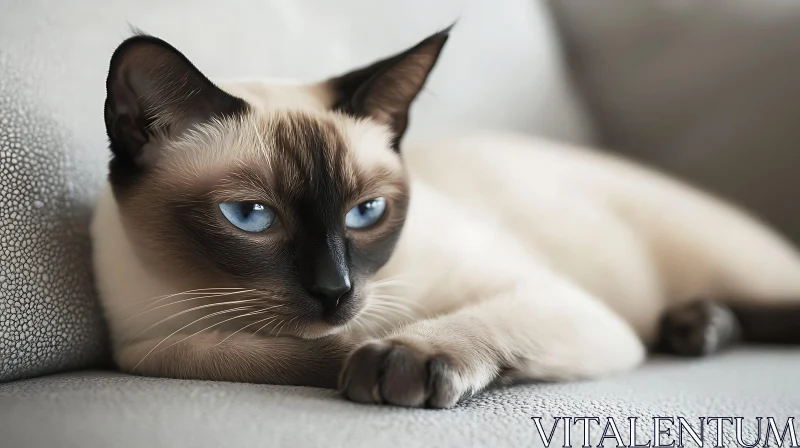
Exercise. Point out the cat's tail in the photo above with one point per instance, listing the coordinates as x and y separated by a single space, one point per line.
768 323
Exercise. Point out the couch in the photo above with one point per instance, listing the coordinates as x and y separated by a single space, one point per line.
700 89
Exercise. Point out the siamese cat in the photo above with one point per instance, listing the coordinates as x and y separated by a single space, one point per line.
281 233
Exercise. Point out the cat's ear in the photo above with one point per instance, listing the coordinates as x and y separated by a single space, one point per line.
386 89
154 91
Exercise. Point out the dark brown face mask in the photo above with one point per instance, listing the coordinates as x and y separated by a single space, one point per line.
332 223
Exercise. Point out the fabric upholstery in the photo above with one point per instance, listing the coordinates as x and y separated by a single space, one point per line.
705 90
99 409
49 318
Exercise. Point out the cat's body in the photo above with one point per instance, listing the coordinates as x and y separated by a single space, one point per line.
517 259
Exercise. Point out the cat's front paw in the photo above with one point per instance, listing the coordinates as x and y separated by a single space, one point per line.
403 372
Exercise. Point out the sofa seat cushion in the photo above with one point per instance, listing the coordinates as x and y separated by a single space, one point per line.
100 409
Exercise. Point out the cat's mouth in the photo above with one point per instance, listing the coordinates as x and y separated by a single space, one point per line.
316 329
334 319
340 314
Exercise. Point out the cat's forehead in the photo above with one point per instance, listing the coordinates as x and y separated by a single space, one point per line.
284 152
271 95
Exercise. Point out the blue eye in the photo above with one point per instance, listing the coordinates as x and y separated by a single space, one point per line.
365 214
248 216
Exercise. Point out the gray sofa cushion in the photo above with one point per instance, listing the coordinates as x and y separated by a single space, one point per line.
706 90
97 409
49 319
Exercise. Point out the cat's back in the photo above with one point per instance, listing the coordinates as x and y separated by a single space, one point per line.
627 233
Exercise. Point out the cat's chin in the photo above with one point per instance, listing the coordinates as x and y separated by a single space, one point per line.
318 330
331 323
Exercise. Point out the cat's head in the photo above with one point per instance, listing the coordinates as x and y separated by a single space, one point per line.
297 193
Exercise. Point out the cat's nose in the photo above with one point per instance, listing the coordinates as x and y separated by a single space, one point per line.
325 273
330 292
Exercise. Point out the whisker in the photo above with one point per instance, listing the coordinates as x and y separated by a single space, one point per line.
401 299
392 279
167 296
183 327
248 325
296 323
233 302
369 314
388 322
388 302
162 298
357 321
273 307
214 325
283 324
393 306
363 325
262 327
395 312
269 319
186 300
398 302
391 297
400 286
380 309
276 326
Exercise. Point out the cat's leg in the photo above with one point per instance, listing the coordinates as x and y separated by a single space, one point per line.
220 356
698 328
551 331
704 327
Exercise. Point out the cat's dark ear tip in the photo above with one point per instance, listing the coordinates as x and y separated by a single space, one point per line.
436 41
139 40
137 44
442 35
445 32
136 31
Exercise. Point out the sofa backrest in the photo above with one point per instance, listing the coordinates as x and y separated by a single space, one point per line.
705 90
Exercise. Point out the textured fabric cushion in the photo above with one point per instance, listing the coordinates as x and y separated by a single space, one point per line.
49 319
97 410
707 90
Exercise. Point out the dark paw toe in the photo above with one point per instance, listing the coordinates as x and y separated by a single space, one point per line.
443 384
405 379
362 372
697 329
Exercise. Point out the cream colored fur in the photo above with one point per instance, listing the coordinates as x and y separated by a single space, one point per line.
520 258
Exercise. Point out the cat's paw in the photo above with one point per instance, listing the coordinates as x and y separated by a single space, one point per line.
407 372
698 328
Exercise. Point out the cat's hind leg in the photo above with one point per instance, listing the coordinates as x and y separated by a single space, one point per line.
698 328
704 327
